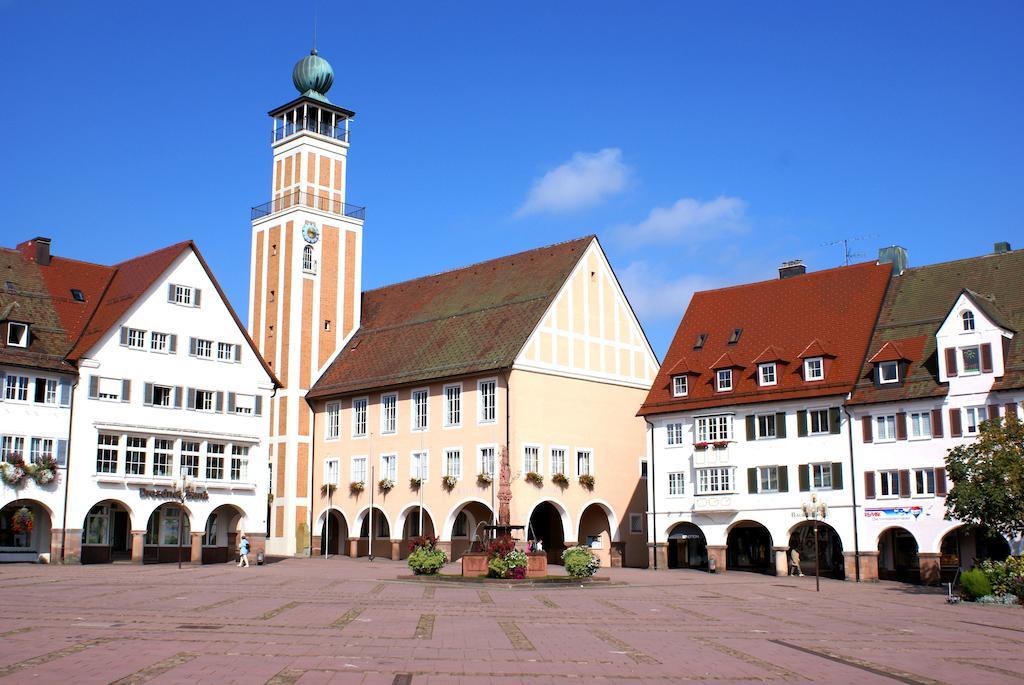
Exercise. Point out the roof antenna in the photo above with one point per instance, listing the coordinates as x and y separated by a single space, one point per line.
845 242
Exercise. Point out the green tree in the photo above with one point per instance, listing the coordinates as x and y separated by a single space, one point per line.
988 478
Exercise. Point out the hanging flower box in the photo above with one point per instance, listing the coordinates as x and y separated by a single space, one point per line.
14 471
535 478
44 471
700 445
484 478
356 486
23 521
449 482
560 480
415 483
721 444
328 489
587 481
386 484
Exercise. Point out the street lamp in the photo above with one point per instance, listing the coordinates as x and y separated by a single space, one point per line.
181 513
816 511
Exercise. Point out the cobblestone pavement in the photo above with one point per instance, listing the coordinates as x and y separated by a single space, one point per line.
342 621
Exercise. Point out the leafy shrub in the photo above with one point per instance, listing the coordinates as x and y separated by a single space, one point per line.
504 560
580 562
497 567
426 558
976 583
1006 577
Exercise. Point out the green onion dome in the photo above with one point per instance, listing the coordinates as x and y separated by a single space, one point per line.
313 76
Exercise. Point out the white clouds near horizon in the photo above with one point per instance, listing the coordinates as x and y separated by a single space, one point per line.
582 182
657 297
689 219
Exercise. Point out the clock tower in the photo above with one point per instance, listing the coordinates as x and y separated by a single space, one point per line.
304 282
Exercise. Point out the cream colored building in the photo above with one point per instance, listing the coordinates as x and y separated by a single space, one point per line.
535 360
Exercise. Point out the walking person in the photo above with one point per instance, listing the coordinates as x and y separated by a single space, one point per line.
243 552
794 562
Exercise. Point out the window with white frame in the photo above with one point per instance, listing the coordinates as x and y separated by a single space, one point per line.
358 469
135 338
767 478
818 421
680 386
110 389
968 320
163 457
388 414
214 461
225 352
16 388
488 405
190 458
333 423
182 294
766 428
676 484
558 460
205 400
674 434
814 369
239 462
715 480
889 483
46 391
202 348
885 428
389 467
359 417
723 380
452 405
712 428
821 476
158 342
766 374
17 334
308 265
531 459
636 524
975 417
135 455
39 449
924 482
972 359
419 465
245 404
108 449
888 372
419 410
11 446
453 463
332 472
584 463
920 425
162 395
486 465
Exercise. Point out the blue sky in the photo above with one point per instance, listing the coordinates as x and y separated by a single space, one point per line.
704 144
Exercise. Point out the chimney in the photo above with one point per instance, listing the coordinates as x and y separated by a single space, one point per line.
794 267
1001 247
896 256
36 250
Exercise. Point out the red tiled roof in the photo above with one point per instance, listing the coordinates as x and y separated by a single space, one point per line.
835 308
908 349
814 349
726 362
456 323
682 367
26 300
770 354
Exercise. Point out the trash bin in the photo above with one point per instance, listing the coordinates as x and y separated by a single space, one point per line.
712 566
259 558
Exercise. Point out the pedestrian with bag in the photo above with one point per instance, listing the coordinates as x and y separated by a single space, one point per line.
243 552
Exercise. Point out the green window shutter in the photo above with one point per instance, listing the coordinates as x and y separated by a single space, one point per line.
750 428
126 390
752 481
801 423
780 424
833 420
147 394
783 479
837 475
805 477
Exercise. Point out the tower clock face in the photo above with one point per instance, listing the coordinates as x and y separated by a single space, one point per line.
310 232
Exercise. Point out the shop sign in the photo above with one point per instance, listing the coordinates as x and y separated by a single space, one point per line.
191 494
893 513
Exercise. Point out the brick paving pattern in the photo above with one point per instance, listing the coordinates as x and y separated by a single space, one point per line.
308 621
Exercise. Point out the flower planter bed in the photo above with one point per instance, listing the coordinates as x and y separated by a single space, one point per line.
543 580
474 564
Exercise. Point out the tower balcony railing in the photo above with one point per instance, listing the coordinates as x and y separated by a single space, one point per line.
298 198
324 128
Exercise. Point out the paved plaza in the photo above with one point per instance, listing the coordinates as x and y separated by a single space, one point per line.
343 621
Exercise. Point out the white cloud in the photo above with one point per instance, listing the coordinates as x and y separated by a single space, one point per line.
582 182
691 220
657 297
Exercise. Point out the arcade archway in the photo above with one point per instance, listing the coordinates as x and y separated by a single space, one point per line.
830 549
749 548
897 555
687 546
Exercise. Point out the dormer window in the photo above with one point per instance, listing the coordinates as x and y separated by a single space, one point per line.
701 339
680 386
735 337
77 295
17 334
888 372
968 319
766 374
814 369
723 380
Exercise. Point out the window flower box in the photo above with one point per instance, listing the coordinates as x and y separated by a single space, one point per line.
484 479
448 482
721 444
356 486
535 478
700 445
328 489
560 480
386 484
415 483
587 481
